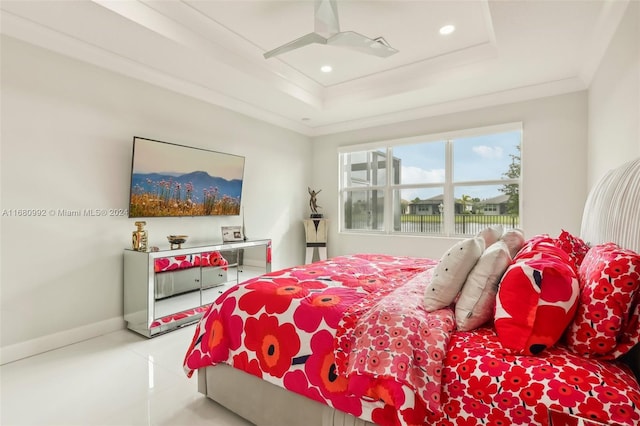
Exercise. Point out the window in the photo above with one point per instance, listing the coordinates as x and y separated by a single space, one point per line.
453 184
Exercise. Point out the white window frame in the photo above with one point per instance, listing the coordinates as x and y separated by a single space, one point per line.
448 185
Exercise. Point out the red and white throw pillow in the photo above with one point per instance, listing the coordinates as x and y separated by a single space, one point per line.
537 298
606 324
574 246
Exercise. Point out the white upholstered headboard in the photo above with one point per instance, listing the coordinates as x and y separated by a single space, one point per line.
612 210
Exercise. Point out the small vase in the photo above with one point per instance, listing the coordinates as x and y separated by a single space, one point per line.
139 237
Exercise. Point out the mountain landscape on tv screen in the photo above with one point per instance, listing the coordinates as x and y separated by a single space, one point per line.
190 194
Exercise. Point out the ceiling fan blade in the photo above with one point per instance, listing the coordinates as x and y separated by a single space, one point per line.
327 31
326 20
355 41
305 40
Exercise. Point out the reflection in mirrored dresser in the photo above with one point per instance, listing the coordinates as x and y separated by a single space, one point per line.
167 289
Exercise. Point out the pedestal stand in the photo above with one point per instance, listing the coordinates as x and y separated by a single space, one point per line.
316 231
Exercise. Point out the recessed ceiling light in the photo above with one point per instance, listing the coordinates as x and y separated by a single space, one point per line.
326 68
447 29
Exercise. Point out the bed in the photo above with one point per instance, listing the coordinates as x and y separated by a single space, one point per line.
500 330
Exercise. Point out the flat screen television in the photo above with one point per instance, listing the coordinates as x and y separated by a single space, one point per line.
169 180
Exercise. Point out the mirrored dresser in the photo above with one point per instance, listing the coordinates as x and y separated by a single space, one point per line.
167 289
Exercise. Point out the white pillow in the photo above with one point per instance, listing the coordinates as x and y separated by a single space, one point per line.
491 234
478 296
451 272
515 241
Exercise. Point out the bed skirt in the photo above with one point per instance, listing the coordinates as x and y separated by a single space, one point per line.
265 404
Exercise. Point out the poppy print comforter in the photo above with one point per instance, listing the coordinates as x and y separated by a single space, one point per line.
351 333
282 327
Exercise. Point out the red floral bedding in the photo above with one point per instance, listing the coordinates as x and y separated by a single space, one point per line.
350 332
282 326
484 384
172 263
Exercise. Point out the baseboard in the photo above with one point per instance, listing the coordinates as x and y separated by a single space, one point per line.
57 340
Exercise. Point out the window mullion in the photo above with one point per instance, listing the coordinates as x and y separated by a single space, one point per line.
388 201
345 180
449 209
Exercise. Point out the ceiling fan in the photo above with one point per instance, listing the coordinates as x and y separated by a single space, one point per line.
327 31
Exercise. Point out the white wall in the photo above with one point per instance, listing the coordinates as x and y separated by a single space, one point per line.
614 100
67 130
553 169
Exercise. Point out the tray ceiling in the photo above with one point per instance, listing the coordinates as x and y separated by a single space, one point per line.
501 51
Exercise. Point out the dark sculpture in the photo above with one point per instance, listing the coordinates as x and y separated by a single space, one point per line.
313 203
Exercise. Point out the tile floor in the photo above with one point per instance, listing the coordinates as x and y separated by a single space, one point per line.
118 379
